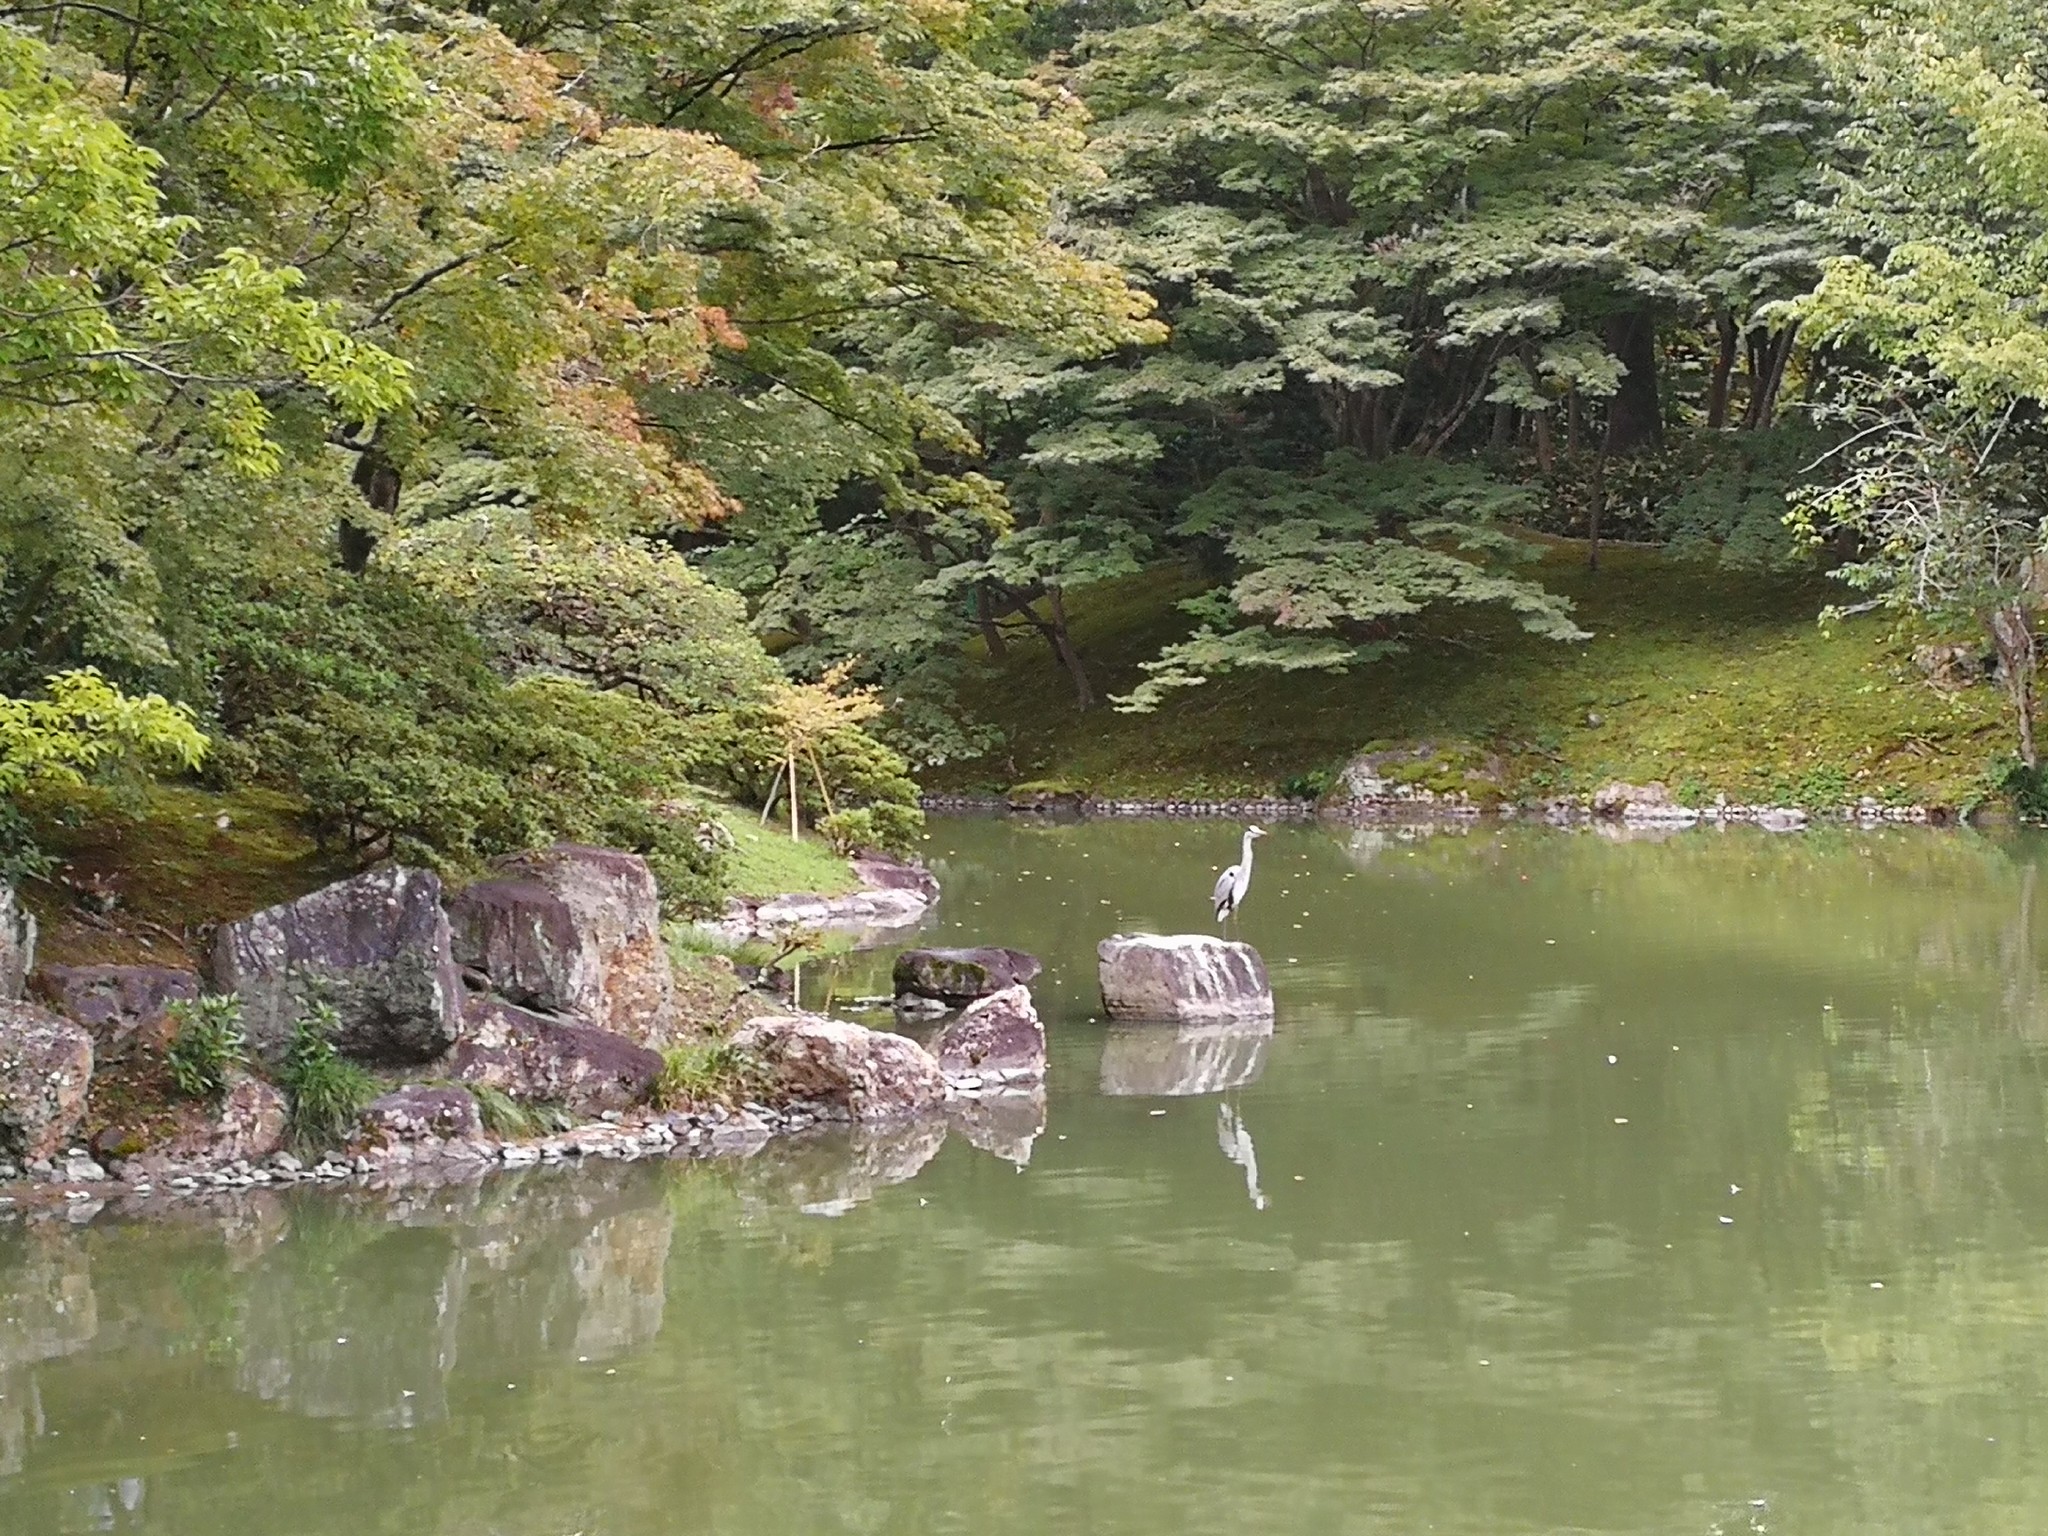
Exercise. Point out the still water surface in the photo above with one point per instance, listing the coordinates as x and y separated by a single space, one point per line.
1686 1186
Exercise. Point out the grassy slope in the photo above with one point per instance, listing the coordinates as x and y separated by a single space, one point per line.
1712 680
768 863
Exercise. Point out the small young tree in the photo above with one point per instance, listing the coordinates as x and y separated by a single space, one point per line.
1948 517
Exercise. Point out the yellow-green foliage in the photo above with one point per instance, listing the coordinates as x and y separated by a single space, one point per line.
1711 679
84 728
706 1071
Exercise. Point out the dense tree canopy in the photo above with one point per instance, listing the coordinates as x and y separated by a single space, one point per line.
476 415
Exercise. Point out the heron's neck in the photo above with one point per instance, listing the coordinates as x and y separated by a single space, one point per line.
1247 850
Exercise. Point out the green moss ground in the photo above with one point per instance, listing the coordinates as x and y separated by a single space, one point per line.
767 863
1715 681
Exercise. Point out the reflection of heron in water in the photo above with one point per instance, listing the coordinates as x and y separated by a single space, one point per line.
1236 1141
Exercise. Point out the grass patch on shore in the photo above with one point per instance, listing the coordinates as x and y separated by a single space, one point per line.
1712 680
766 862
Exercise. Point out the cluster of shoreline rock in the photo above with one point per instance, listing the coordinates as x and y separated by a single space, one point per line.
549 982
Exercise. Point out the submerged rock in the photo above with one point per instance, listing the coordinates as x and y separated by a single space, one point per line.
422 1114
1187 976
45 1067
377 945
959 976
528 1056
997 1039
871 1074
616 975
121 1006
1167 1061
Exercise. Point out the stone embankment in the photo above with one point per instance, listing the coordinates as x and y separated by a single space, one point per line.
1371 790
548 985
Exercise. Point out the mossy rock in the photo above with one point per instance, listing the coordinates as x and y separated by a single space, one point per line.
1046 795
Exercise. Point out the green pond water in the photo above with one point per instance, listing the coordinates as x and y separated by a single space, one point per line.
1696 1185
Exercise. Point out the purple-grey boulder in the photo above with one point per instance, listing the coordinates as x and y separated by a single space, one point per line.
871 1074
121 1006
533 1057
998 1039
45 1067
617 975
375 946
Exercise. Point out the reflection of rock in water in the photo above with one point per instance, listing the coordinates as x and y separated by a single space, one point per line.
15 1388
354 1321
47 1306
566 1260
1162 1061
621 1272
828 1175
1005 1124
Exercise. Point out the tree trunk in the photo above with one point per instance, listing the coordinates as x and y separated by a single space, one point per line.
1063 643
1764 407
1546 456
1596 504
377 478
1635 416
1724 370
985 616
1572 419
2012 634
1503 428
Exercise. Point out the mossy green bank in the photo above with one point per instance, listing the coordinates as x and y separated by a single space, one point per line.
1714 680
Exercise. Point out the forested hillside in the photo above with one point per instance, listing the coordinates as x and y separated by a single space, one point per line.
487 422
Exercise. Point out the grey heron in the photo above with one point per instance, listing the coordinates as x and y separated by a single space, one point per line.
1236 880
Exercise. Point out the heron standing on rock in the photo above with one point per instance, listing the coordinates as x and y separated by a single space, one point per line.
1236 880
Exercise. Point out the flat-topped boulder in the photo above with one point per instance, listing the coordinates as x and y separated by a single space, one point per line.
959 976
375 946
534 1057
997 1039
577 931
1189 977
869 1073
45 1066
120 1006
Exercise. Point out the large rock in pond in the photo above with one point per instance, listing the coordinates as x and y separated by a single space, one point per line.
17 944
248 1124
532 1057
121 1006
45 1066
958 976
421 1113
375 946
998 1039
1184 976
616 975
871 1074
